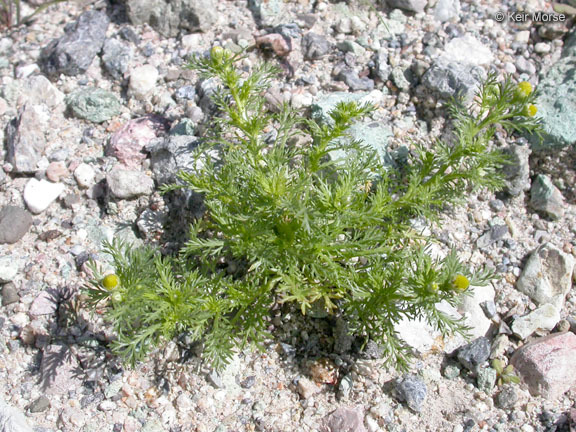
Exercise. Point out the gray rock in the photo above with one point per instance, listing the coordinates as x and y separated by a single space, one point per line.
523 65
38 90
486 379
268 13
352 80
116 56
9 294
314 46
543 318
171 155
495 233
40 405
73 53
556 102
215 379
169 17
126 184
451 79
412 390
547 275
342 338
185 127
399 79
445 10
507 398
408 5
472 356
25 138
382 68
345 386
546 198
14 224
12 420
517 172
93 104
344 419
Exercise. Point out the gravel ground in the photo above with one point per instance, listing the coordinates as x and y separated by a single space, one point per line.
75 173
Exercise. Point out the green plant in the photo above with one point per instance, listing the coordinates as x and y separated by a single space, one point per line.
288 222
11 16
505 374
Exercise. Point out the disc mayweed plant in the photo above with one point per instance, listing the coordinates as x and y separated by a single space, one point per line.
287 223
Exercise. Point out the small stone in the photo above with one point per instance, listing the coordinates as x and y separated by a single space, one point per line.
467 50
544 318
344 419
451 371
40 405
116 56
142 81
73 53
409 5
39 194
352 80
507 398
486 379
128 143
562 326
494 234
472 356
12 420
172 155
151 221
45 303
14 224
345 386
314 46
445 10
25 141
307 388
382 68
546 198
274 42
547 275
125 184
9 294
399 79
268 13
449 79
107 405
547 364
248 382
56 171
93 104
542 48
489 308
84 175
8 268
412 390
38 90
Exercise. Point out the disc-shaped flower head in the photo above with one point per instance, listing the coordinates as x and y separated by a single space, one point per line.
460 283
524 89
111 281
530 110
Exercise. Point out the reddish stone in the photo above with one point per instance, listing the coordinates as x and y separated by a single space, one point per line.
344 419
547 365
56 171
274 42
128 143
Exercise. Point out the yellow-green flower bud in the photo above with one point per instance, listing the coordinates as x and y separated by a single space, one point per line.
524 89
530 110
460 283
433 288
219 54
110 281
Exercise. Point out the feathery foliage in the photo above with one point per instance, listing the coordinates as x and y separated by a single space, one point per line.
304 227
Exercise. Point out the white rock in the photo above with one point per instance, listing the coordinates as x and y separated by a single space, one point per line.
126 184
445 10
39 90
39 194
142 81
468 50
192 42
542 48
522 36
544 318
8 269
107 405
84 175
470 307
12 420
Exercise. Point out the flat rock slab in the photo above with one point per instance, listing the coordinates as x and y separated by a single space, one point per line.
59 370
547 365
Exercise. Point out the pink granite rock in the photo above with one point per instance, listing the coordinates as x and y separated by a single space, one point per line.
344 419
547 365
127 144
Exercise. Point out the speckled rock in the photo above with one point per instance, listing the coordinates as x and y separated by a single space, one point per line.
25 138
472 356
93 104
547 364
171 155
344 419
546 198
142 81
73 53
116 57
448 79
14 224
412 390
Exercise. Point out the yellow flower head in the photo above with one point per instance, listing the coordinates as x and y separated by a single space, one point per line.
111 281
524 89
460 283
530 110
433 288
218 54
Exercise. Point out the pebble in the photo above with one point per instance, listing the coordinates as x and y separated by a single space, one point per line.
25 139
56 171
451 371
14 224
126 184
93 104
408 5
314 46
546 198
544 318
547 364
9 294
142 81
412 390
84 175
474 354
274 42
116 57
507 398
8 268
344 419
39 194
40 405
486 379
12 420
307 388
